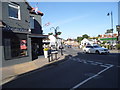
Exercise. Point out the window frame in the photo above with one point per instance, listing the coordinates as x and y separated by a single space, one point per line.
15 6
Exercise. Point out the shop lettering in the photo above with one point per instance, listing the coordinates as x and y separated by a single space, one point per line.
15 29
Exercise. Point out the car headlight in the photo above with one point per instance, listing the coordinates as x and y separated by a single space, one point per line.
101 49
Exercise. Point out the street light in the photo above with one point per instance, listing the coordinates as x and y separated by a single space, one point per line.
118 29
55 34
111 25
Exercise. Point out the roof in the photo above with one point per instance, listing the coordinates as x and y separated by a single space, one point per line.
32 11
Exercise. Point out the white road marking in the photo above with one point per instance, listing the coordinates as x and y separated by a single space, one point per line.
89 62
118 66
94 64
81 83
98 63
104 66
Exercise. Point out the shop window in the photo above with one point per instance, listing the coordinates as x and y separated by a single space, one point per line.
15 47
14 11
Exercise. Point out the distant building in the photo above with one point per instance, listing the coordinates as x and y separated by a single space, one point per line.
85 42
119 21
71 42
109 38
51 41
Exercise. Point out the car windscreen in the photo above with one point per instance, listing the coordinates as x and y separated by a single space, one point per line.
96 46
89 47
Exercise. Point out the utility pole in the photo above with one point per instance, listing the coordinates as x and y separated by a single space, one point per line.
111 26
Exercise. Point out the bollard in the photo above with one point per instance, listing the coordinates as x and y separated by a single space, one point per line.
56 56
48 58
51 57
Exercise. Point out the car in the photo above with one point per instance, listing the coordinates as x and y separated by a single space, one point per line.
95 49
68 46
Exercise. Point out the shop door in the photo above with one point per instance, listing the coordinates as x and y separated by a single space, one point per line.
34 51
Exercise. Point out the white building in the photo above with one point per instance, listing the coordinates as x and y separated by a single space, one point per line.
85 42
52 41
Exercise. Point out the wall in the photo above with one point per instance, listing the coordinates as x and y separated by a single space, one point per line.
0 10
23 23
37 24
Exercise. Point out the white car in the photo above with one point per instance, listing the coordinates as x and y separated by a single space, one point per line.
95 49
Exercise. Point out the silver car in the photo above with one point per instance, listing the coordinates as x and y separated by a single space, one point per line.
95 49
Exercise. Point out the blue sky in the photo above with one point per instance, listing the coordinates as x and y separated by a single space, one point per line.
77 18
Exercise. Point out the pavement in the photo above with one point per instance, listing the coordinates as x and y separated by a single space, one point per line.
11 72
114 51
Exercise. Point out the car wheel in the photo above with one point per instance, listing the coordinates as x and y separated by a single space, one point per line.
97 52
89 51
85 51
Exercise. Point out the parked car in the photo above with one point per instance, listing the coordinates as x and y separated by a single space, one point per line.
95 49
69 46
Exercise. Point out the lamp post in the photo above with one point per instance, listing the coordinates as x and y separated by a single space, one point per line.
118 37
55 34
111 25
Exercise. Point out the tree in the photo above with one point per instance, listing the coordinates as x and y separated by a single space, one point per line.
99 35
79 39
85 36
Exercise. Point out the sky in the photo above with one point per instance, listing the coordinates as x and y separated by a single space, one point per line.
78 18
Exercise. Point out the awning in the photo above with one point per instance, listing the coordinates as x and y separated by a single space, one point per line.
38 36
46 42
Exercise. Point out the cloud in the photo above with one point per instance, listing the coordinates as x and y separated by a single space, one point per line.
66 21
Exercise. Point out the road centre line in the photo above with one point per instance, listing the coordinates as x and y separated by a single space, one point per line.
81 83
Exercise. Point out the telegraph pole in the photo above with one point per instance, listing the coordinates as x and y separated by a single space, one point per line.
111 26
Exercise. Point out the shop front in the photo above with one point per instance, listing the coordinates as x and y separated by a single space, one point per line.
37 45
16 46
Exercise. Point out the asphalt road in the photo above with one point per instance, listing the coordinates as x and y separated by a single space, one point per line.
78 70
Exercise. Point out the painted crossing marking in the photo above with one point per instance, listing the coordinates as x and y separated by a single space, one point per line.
106 66
118 66
89 62
81 83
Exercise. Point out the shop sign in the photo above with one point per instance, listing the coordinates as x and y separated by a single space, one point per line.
15 29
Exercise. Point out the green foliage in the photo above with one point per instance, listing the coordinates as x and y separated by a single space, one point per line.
50 33
98 35
79 39
118 46
46 49
85 36
104 42
59 33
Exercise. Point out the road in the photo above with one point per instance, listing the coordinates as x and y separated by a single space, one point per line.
78 70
